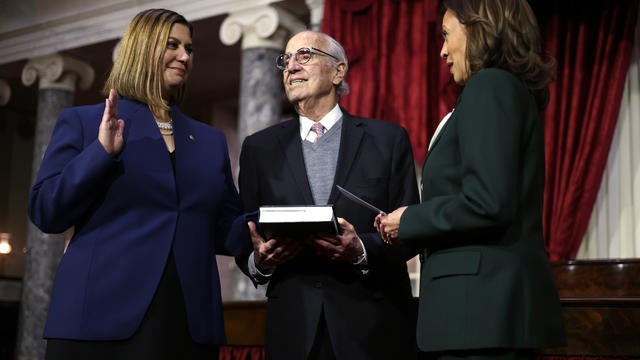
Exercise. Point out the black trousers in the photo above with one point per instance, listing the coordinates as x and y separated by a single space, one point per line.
322 349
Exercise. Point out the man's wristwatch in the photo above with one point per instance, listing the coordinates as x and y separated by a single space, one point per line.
360 259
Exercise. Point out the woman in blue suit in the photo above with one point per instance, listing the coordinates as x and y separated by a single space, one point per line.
149 194
486 286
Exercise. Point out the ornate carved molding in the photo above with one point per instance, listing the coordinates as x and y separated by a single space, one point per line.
58 71
264 26
103 21
5 92
316 9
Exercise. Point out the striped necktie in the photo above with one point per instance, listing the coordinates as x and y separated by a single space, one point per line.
318 129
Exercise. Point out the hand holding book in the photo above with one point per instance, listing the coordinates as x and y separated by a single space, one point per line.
345 247
298 221
269 253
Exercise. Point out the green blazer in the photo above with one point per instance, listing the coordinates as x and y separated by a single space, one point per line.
486 281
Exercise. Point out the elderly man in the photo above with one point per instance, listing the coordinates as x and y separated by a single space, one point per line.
344 296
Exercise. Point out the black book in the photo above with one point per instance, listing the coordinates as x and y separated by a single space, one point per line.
298 221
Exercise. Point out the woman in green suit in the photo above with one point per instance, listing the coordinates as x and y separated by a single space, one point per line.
486 286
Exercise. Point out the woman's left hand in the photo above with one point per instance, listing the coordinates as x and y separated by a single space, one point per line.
388 225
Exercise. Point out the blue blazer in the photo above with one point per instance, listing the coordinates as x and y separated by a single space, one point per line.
128 212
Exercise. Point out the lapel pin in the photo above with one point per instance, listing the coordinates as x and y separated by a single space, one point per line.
191 137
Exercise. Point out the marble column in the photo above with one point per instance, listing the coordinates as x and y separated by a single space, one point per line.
58 76
316 10
5 92
264 31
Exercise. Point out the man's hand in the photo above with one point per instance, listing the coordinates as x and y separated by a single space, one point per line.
269 254
346 247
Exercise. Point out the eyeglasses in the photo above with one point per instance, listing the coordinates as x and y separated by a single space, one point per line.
302 56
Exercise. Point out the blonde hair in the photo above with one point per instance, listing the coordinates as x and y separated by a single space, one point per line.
137 70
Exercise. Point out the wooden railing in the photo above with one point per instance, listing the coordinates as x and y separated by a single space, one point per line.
244 322
600 300
601 307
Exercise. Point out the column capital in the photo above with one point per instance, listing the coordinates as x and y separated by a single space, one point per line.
58 71
5 92
263 26
316 10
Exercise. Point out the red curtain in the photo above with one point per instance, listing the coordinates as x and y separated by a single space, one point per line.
396 74
239 352
393 48
592 45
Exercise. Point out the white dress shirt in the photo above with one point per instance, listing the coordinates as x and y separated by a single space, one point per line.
439 128
330 119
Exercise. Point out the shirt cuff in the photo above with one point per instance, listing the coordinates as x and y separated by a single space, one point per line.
257 275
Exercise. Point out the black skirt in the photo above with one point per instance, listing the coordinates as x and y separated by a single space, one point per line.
162 335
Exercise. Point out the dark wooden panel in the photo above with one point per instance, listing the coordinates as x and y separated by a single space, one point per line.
245 322
601 331
601 307
614 279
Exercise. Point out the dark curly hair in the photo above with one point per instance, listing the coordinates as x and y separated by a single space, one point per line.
504 34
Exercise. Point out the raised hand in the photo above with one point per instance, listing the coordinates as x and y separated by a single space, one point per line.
111 128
